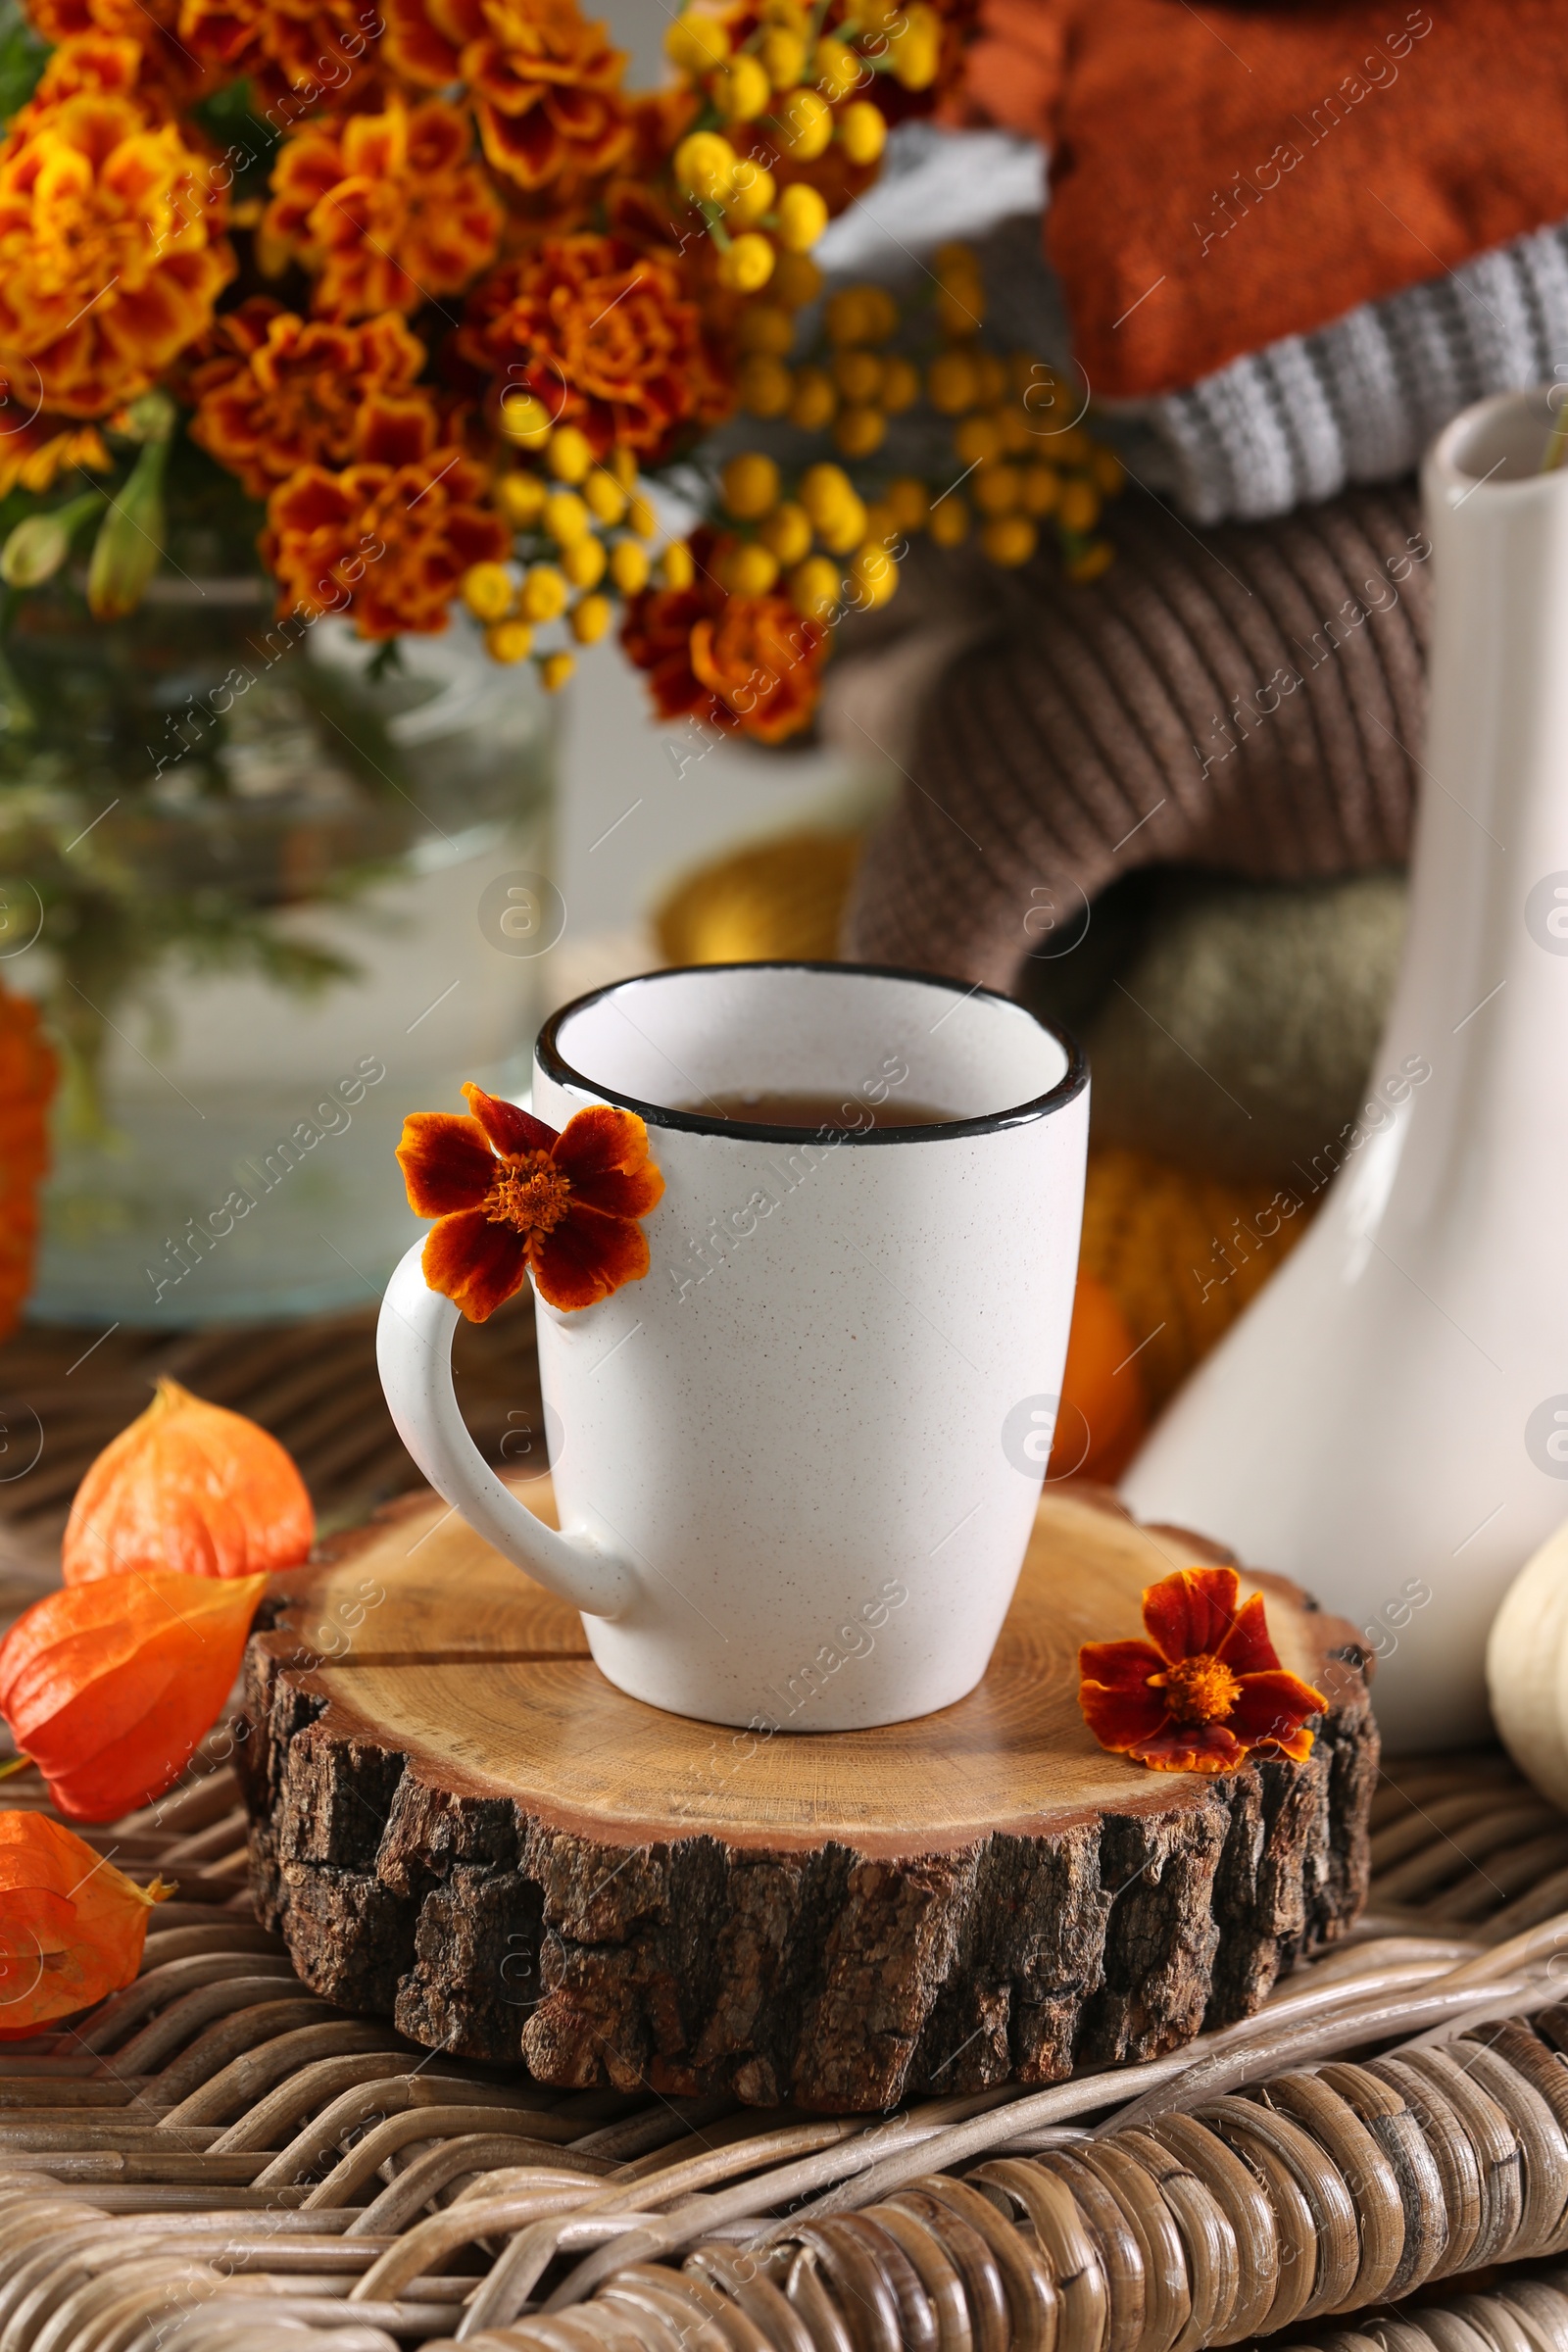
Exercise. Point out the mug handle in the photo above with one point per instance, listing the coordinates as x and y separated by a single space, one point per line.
413 1355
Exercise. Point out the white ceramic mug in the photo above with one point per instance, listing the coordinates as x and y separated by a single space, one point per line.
798 1464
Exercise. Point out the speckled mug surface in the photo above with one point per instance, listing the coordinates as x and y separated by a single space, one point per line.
797 1466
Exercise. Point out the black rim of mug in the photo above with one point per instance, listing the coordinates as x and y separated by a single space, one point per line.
1069 1085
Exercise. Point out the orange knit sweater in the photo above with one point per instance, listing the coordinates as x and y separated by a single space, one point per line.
1225 174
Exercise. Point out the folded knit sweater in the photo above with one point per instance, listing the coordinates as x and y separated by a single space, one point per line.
1227 175
1247 700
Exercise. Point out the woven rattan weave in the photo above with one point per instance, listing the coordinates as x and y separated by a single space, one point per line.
215 2159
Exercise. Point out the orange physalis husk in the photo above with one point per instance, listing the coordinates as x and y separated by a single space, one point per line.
1206 1691
513 1197
188 1486
72 1926
110 1686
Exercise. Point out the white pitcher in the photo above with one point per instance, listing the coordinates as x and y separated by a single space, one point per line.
1388 1421
798 1464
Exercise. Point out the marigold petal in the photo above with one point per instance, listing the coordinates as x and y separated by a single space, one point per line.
476 1263
1272 1707
604 1150
622 1192
1297 1749
311 501
1119 1665
1119 1705
447 1162
1180 1747
1248 1648
397 429
1190 1612
508 1126
588 1256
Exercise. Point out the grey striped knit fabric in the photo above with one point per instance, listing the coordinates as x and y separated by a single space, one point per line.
1358 400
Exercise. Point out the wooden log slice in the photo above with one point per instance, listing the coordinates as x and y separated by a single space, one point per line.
458 1822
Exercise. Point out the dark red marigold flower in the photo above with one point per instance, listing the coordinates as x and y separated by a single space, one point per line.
1206 1691
512 1198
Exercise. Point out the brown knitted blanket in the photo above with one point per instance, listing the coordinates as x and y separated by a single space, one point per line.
1249 699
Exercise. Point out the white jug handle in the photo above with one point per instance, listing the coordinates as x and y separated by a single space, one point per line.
414 1353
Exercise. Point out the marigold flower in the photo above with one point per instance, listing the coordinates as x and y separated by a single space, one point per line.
603 336
36 447
513 1196
385 210
95 64
64 21
300 54
282 392
387 540
111 252
110 1686
72 1926
147 28
1206 1691
749 664
762 661
544 82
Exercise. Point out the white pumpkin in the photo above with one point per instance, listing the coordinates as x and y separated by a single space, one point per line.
1526 1668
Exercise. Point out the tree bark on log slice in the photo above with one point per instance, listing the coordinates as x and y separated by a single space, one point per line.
458 1822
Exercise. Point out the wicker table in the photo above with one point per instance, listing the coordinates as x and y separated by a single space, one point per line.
65 1393
218 2148
217 2159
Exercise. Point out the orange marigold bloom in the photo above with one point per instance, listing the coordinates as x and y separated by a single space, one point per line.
100 63
148 25
61 21
225 35
281 391
605 335
513 1196
749 664
111 253
762 660
299 52
36 448
543 80
1206 1691
387 540
386 211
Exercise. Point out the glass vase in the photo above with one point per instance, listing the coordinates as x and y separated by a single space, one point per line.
274 887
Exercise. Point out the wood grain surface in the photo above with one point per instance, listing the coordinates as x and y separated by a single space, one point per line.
459 1820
